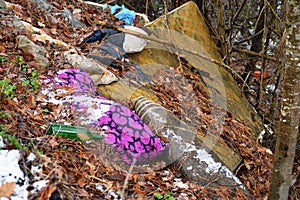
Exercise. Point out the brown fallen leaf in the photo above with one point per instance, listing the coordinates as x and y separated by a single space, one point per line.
7 189
83 192
81 182
47 192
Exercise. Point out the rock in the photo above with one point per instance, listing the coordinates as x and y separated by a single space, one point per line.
37 33
98 73
72 19
3 7
43 4
46 7
39 53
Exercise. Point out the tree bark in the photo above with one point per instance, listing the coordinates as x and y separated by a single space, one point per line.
288 128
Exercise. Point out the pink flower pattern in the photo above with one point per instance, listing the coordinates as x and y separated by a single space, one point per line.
125 131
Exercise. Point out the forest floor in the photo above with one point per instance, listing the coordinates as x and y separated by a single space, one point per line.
69 170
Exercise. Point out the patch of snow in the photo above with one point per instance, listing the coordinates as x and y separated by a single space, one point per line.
180 184
94 113
38 185
203 156
158 117
183 196
100 187
229 174
37 171
189 168
173 137
111 194
1 142
212 165
251 31
166 173
51 95
31 157
270 88
269 151
87 103
260 137
11 172
263 132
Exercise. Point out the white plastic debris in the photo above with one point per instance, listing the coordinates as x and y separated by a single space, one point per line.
133 43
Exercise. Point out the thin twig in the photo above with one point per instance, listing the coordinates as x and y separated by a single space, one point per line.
249 38
253 53
245 82
263 66
281 46
234 74
259 16
126 179
237 13
147 4
275 14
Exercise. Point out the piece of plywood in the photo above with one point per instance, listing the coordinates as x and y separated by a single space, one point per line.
186 30
189 31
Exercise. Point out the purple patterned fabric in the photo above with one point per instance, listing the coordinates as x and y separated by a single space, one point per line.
125 131
76 78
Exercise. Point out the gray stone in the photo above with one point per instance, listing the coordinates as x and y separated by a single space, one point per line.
72 20
39 53
98 73
3 7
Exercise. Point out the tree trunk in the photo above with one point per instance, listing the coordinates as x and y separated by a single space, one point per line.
288 128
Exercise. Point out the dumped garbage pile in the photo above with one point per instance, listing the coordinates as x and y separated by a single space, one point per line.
43 45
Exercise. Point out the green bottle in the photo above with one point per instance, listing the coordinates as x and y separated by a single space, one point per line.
73 132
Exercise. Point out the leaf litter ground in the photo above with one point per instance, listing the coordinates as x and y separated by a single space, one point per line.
71 169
